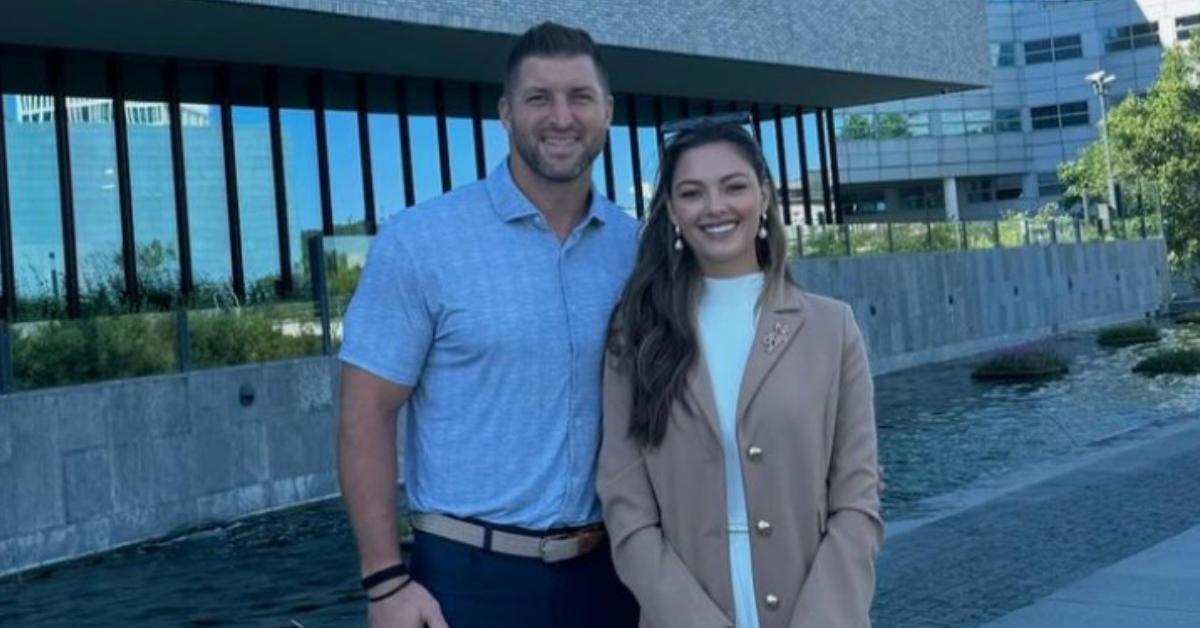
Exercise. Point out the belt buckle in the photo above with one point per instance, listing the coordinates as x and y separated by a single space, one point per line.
584 541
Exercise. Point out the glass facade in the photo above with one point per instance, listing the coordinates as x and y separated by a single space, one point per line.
200 184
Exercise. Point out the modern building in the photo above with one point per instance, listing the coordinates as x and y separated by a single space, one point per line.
976 154
194 144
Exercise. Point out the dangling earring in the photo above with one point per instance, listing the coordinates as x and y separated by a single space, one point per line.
762 229
678 239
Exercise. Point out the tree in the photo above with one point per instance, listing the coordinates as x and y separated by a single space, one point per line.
1155 145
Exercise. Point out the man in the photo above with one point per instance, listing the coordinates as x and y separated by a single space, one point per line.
485 310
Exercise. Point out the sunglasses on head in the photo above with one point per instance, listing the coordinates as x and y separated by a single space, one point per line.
674 129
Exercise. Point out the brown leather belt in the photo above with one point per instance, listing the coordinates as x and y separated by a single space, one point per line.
551 548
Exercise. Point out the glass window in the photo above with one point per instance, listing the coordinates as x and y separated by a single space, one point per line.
895 125
791 153
495 138
1131 37
1144 35
859 126
981 190
770 146
622 156
255 187
34 200
918 124
813 124
95 185
1003 54
978 121
953 123
1039 51
1044 117
152 185
1185 25
1049 185
345 154
1008 121
647 147
460 134
1008 188
921 197
301 177
422 131
865 202
1069 47
387 168
204 175
1074 113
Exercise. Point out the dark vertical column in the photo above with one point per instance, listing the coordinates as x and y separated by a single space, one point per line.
410 195
443 134
635 156
231 185
8 297
66 194
317 95
364 150
834 175
755 120
116 88
821 131
477 130
182 226
278 172
658 122
781 155
610 182
805 192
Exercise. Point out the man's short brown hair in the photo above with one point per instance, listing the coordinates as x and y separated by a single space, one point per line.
550 39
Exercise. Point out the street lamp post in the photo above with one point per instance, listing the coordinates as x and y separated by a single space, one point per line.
1101 81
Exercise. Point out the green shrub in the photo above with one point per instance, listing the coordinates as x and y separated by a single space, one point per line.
58 353
1177 361
1021 364
1125 335
61 353
1188 318
240 337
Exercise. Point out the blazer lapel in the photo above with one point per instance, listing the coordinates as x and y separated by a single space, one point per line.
704 402
777 326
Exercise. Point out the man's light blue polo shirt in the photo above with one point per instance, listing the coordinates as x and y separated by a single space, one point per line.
471 299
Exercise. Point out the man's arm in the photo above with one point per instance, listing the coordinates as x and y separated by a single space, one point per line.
367 474
367 463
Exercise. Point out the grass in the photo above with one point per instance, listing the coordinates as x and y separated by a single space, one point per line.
1175 361
1188 318
1125 335
1021 365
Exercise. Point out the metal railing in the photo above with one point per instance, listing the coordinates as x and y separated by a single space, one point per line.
856 239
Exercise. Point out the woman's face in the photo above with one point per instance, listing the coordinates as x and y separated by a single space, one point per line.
717 203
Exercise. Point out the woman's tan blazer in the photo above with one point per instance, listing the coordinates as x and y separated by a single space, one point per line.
806 433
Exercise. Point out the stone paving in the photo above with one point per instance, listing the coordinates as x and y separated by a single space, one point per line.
975 566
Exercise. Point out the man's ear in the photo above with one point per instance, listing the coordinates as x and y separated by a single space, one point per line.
505 111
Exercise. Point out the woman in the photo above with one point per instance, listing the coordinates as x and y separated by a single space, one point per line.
738 467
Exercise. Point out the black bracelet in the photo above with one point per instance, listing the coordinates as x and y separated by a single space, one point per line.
383 575
384 596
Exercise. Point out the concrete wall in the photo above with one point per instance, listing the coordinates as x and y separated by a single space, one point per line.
88 468
915 309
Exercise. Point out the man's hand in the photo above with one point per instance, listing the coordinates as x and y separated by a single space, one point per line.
414 607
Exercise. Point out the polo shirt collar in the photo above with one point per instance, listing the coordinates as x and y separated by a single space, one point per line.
510 203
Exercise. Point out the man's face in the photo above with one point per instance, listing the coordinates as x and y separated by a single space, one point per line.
557 116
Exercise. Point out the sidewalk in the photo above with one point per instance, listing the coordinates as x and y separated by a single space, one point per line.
1116 535
1158 588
